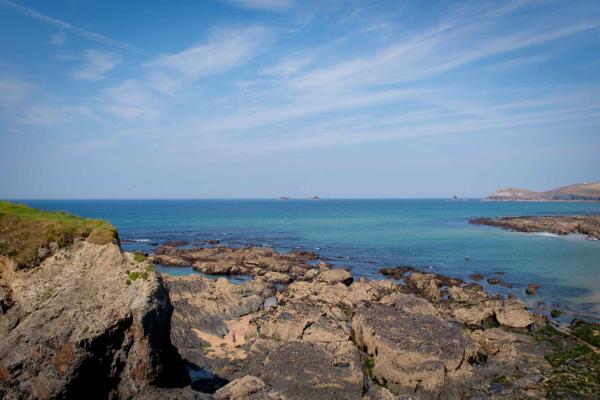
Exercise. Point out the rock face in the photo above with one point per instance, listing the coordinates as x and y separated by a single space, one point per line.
211 317
588 225
73 328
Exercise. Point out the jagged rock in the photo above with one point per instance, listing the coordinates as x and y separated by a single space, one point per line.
413 349
207 312
246 388
76 328
335 276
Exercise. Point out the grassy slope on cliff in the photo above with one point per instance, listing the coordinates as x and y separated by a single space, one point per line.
25 233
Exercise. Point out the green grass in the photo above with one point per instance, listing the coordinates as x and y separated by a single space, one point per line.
133 275
589 333
557 358
24 231
555 313
139 257
368 362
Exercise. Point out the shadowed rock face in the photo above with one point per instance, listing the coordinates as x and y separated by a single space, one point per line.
74 329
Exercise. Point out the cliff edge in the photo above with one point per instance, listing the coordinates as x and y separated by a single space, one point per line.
78 317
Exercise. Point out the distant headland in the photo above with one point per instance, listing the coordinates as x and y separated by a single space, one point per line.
576 192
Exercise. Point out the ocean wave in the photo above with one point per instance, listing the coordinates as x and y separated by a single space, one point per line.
548 234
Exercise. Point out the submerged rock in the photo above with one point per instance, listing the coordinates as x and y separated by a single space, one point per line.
532 288
397 272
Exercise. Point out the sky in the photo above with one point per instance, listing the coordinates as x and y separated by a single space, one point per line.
268 98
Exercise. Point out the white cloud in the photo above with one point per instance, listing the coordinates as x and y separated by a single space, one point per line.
58 39
96 64
131 101
13 91
287 67
224 50
267 5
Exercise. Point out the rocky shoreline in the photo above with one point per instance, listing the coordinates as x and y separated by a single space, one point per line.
588 225
83 319
419 335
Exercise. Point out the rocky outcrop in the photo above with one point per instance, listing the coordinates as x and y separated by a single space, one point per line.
74 328
250 261
588 225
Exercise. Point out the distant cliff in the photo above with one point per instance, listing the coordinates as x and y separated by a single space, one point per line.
576 192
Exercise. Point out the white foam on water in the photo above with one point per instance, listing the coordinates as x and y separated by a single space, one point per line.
548 234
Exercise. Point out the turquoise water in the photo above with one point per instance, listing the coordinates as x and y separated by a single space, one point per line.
370 234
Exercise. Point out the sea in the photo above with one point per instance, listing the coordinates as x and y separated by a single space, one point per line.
366 235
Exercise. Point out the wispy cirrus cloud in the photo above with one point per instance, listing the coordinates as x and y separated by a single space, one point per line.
96 64
132 101
266 5
94 36
59 38
223 50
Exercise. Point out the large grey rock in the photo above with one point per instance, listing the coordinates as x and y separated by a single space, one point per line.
75 328
313 370
413 349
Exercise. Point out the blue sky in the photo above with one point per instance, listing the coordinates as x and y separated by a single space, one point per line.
264 98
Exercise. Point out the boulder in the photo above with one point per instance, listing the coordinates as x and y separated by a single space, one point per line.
413 350
512 312
532 288
305 320
335 276
301 370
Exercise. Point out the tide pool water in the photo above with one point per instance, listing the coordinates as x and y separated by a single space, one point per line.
367 235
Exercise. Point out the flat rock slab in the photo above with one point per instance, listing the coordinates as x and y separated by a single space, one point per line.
414 351
301 370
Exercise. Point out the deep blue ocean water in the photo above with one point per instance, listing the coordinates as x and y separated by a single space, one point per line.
370 234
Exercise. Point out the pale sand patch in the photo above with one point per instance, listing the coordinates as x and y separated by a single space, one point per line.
239 329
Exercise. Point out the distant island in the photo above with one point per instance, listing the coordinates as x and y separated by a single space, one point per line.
576 192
